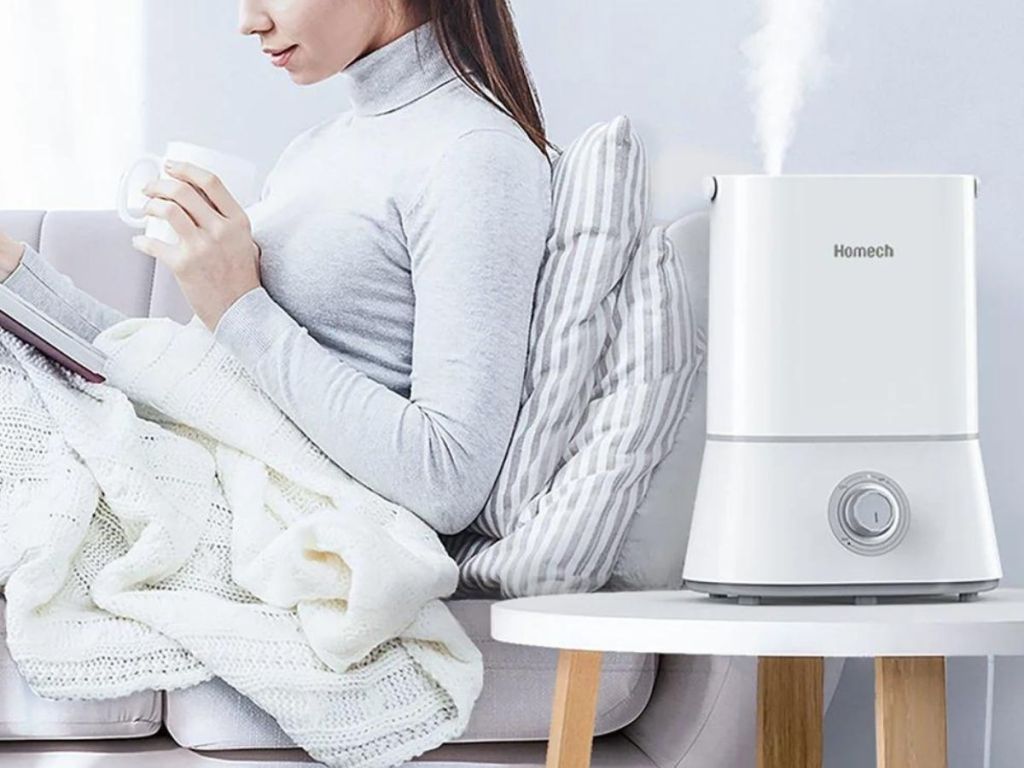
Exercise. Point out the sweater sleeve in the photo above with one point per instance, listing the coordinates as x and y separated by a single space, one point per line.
48 289
476 234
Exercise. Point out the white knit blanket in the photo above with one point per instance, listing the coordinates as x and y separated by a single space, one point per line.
173 524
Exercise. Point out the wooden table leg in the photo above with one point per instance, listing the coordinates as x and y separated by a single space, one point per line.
910 712
574 709
790 704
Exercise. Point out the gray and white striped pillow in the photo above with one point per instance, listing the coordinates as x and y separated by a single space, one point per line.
545 497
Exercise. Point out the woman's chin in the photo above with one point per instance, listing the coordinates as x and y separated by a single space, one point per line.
304 77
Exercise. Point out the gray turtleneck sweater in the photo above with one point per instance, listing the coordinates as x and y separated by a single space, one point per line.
401 243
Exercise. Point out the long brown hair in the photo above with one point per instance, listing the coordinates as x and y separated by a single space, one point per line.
479 36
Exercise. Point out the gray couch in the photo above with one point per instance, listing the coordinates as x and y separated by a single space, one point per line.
653 711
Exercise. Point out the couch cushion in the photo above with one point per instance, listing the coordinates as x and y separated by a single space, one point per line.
514 705
23 225
93 248
25 715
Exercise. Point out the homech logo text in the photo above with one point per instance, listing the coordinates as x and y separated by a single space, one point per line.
864 251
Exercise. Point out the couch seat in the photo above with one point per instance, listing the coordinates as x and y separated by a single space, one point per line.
515 704
26 715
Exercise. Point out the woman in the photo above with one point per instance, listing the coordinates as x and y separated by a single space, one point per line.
381 290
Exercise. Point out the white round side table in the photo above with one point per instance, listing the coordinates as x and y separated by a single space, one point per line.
908 638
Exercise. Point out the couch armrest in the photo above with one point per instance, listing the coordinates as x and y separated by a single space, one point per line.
703 710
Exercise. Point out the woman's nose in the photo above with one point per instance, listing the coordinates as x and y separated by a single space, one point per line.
251 17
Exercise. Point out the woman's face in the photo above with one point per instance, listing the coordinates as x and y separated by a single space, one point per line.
327 35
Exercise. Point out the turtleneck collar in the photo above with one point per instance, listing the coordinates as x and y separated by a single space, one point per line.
398 73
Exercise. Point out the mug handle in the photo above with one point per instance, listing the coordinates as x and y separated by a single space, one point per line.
122 190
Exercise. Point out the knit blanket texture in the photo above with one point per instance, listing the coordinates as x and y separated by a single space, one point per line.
171 524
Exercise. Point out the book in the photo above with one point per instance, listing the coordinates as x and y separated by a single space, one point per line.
50 337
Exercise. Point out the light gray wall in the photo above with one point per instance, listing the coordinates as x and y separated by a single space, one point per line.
927 86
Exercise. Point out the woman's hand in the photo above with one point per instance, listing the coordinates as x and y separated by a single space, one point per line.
10 255
216 260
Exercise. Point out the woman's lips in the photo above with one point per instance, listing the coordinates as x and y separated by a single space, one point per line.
280 59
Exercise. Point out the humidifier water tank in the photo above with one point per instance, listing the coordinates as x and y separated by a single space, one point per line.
842 454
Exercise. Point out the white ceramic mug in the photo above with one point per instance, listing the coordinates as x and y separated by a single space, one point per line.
237 174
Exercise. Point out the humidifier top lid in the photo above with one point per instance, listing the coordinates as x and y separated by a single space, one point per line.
711 183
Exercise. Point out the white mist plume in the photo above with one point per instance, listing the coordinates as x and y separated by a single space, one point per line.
787 57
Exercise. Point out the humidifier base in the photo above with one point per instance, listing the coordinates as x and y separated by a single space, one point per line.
841 518
856 593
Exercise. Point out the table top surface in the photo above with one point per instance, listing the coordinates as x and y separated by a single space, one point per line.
688 622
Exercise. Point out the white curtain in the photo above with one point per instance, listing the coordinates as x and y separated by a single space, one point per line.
71 100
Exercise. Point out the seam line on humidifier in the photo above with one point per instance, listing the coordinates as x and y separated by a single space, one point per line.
838 438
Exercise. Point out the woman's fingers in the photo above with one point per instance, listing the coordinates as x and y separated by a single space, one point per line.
180 221
209 184
187 198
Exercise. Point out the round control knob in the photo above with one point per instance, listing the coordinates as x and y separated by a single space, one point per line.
870 512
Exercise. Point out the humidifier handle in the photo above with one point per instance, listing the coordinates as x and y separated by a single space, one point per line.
710 187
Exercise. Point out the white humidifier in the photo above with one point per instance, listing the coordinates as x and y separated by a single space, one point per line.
842 455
